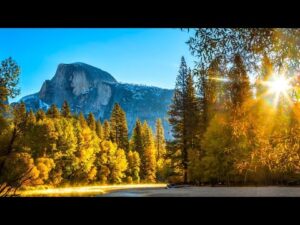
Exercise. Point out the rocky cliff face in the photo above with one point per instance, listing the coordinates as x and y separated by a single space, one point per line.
89 89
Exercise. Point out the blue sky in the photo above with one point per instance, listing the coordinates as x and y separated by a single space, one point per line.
141 56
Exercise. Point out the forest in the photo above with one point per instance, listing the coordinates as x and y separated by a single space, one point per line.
235 120
57 148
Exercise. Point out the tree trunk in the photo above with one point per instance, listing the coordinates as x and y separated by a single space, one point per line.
185 180
12 140
185 164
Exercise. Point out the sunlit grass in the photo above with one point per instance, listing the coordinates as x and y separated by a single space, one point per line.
83 190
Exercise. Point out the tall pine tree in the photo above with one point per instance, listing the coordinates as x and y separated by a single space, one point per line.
106 130
65 110
118 127
137 138
40 115
211 91
53 112
238 87
184 115
160 143
31 119
148 159
82 120
91 121
124 143
99 129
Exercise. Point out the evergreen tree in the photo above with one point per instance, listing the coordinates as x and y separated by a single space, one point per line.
211 91
106 130
149 155
160 143
99 129
91 121
53 112
192 114
65 110
184 115
31 119
82 120
20 116
238 87
145 131
124 143
118 127
160 146
137 138
40 115
114 122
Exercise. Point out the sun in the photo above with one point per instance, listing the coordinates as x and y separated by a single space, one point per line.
278 85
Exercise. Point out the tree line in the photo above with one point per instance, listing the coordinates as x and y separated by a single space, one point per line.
228 130
225 128
58 148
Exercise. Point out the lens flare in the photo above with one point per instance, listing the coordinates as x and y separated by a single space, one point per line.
219 79
278 86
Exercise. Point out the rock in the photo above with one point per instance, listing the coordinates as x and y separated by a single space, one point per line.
89 89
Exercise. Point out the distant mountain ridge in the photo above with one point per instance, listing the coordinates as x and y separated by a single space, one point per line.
90 89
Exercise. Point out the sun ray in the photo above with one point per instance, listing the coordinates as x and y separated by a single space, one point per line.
287 97
278 86
219 79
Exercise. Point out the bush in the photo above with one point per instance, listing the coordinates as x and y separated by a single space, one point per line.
19 169
129 180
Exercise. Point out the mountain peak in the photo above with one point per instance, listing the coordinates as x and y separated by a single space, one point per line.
77 64
89 89
80 67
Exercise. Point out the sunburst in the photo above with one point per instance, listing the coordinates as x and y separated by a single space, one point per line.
278 86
